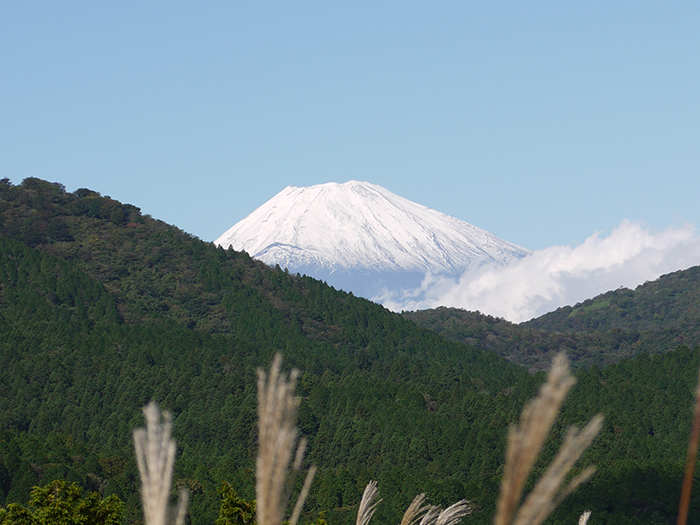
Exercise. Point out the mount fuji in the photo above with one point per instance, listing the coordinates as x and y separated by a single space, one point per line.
362 238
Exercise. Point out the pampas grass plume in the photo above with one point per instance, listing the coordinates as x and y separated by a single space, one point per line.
524 445
278 449
155 456
415 511
416 514
455 512
367 504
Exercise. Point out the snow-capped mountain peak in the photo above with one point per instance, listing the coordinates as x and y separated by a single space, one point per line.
363 229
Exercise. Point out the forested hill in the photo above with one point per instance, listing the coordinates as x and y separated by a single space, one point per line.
672 300
103 309
657 316
157 274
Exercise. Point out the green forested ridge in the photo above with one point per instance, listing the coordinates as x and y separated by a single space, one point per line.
657 316
102 309
672 300
528 347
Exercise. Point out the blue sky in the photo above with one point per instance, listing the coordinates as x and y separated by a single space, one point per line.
542 122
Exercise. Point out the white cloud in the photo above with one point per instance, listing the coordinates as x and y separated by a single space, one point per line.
561 275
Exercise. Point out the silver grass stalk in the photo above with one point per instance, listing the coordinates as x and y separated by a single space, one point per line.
367 507
455 512
433 515
430 516
546 495
303 495
524 445
583 520
415 511
155 456
277 412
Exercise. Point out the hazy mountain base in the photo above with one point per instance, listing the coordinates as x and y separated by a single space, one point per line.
383 287
126 309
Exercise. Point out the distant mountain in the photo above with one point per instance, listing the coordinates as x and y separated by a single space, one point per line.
671 300
363 238
656 317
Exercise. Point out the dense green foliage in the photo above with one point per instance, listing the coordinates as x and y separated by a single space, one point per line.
103 309
59 503
520 344
234 510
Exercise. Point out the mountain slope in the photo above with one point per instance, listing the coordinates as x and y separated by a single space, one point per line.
361 237
671 300
656 317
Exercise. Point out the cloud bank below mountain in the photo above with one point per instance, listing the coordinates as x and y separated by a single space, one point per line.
558 276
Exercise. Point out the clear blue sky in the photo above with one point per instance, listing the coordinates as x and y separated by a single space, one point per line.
539 121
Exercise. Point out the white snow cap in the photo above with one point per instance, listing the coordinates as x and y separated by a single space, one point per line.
358 226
